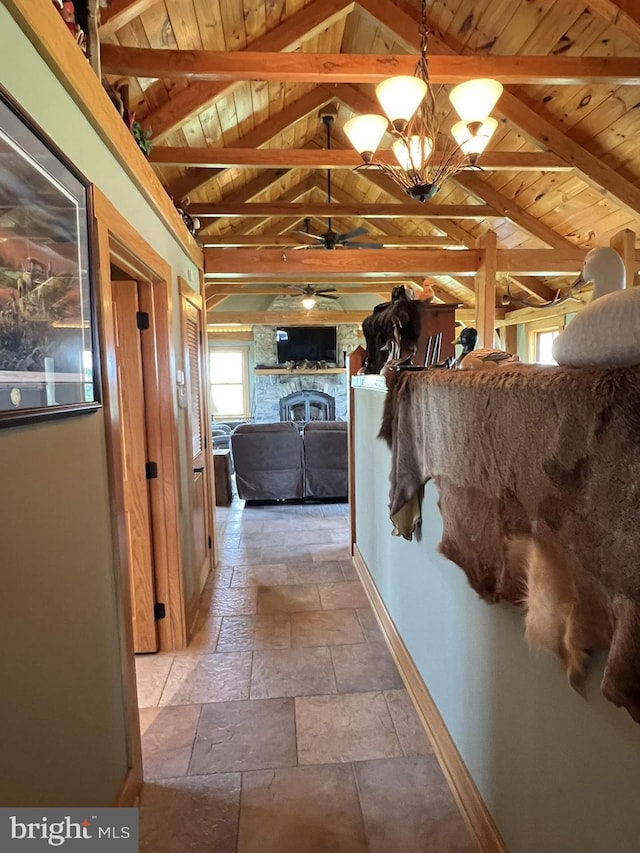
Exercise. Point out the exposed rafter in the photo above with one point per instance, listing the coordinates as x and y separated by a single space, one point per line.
535 122
264 133
246 156
235 66
299 27
120 13
370 211
624 14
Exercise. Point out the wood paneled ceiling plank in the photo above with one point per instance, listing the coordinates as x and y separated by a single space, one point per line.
120 13
262 134
287 36
288 318
624 14
535 122
234 66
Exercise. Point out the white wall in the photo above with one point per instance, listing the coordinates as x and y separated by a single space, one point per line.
559 771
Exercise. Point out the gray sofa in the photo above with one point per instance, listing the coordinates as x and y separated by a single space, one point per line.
274 462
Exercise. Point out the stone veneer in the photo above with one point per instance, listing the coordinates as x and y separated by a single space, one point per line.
269 388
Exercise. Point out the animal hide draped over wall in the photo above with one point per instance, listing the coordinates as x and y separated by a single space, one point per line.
538 473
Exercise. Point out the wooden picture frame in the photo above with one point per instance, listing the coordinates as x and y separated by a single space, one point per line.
49 355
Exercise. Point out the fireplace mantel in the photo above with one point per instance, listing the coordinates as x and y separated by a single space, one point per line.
298 371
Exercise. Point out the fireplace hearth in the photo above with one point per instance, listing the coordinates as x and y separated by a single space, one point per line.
304 406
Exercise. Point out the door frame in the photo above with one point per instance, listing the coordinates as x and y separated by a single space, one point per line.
120 243
196 299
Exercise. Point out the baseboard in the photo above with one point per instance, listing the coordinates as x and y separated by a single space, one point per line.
463 788
129 793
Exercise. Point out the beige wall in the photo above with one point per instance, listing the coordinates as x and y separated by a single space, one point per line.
62 710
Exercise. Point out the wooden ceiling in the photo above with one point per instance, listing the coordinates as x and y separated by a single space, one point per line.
238 132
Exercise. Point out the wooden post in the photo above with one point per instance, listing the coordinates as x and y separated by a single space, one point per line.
486 289
624 242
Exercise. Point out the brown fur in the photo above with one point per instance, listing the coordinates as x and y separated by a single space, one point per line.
538 473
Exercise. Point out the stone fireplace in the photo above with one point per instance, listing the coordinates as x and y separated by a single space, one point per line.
305 406
305 388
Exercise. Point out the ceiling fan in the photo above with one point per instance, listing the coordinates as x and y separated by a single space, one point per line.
332 239
308 290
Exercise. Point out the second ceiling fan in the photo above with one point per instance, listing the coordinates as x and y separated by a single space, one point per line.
332 239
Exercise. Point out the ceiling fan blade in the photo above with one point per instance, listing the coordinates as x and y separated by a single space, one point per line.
349 245
323 290
326 296
308 236
357 232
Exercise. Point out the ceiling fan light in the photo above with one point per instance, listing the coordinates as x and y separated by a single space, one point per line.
471 142
365 133
473 100
412 153
308 302
400 97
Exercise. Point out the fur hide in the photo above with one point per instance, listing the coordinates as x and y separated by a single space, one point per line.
538 473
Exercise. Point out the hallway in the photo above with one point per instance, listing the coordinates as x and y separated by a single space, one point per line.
285 727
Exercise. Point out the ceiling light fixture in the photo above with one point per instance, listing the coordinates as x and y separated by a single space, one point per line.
426 156
308 302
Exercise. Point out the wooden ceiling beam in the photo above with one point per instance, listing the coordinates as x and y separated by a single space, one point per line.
215 288
534 121
290 35
393 229
391 263
228 67
247 157
120 13
287 318
266 240
199 178
370 211
624 14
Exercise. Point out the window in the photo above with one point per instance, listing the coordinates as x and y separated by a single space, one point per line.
541 337
229 383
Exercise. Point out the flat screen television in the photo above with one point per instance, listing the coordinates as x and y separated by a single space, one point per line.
314 343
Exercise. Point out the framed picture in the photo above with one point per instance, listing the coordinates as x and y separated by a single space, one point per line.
48 341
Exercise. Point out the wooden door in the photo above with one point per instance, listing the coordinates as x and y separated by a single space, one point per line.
134 442
197 431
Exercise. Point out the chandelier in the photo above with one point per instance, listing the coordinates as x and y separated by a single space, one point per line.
426 157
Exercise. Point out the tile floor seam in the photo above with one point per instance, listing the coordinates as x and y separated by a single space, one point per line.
358 792
193 742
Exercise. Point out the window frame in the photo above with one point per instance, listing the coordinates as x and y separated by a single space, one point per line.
223 416
537 328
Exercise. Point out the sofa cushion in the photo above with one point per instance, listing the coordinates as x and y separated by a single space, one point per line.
326 459
268 461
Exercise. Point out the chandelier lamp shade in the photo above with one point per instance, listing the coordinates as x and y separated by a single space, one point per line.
308 302
426 157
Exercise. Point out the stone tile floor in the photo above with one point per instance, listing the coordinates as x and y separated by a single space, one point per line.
285 727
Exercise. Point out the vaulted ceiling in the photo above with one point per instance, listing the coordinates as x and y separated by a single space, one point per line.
238 132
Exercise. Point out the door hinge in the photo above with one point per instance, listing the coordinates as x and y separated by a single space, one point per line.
142 320
151 470
209 541
159 611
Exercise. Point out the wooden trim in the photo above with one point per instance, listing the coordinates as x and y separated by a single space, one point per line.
286 318
187 293
232 66
289 240
115 455
464 790
130 252
46 30
129 793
